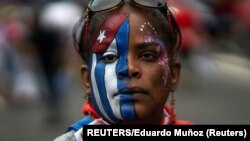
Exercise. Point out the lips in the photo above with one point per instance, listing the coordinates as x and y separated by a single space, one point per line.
131 91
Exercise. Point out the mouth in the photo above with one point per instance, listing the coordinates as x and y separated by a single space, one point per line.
131 91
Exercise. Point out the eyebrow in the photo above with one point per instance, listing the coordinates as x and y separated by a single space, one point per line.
142 45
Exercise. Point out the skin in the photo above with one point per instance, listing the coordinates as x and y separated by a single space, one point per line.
148 68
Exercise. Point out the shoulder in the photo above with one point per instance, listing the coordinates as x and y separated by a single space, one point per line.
183 122
69 136
80 123
177 121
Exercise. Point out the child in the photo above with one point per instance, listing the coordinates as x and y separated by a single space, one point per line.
131 66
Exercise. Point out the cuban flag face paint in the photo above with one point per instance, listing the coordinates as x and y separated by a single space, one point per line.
109 61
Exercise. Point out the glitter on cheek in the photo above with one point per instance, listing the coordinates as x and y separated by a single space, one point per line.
165 79
163 61
166 75
163 57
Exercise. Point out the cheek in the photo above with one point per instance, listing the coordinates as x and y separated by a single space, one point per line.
163 62
166 75
111 78
157 77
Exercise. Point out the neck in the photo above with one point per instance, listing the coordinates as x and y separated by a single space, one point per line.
148 120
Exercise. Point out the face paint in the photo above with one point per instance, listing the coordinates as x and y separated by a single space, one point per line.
109 58
163 60
149 25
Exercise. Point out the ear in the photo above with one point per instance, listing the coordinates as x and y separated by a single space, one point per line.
85 78
175 76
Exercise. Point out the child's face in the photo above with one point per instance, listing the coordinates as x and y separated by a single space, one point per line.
129 69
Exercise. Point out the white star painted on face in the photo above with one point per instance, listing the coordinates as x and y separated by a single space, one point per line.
101 36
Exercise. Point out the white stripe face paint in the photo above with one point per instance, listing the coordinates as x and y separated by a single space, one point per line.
95 89
106 65
111 81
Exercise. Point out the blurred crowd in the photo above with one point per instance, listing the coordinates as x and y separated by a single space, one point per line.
38 60
212 27
37 57
219 25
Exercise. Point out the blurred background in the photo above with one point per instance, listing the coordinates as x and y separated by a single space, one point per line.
41 92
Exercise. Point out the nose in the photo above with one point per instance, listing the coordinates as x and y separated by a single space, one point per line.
134 70
130 69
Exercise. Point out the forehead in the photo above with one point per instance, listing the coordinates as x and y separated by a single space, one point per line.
139 15
140 24
106 32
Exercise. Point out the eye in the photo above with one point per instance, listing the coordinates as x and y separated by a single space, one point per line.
109 57
149 56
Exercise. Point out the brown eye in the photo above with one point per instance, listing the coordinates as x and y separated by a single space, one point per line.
149 56
109 58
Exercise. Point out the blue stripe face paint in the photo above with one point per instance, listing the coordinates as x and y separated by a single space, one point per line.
127 107
109 72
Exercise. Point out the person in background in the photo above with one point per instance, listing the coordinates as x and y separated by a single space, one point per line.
51 36
130 65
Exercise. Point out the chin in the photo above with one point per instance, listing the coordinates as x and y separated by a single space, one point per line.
143 111
147 112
